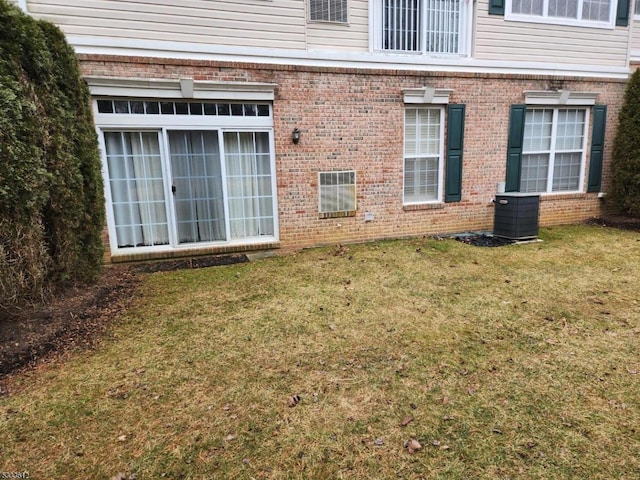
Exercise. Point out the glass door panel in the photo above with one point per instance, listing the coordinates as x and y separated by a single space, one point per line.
197 186
137 188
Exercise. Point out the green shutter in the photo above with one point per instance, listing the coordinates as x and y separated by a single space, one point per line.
514 147
597 148
496 7
622 15
455 147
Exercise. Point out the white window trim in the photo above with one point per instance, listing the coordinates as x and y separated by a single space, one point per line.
583 159
518 17
440 193
427 95
375 32
560 98
179 88
162 124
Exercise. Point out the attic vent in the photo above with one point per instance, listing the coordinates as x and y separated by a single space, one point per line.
328 11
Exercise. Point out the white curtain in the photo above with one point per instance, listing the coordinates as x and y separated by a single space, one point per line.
197 186
248 165
137 188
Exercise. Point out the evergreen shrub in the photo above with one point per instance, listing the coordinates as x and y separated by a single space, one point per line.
624 194
51 194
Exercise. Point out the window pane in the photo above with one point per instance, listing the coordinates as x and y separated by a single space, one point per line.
534 173
401 25
423 132
137 188
245 156
566 172
597 10
537 131
570 129
442 25
563 8
527 7
197 182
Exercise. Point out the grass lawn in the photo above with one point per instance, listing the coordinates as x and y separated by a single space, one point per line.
517 362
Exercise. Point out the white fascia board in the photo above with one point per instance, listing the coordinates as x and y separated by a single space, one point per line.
560 97
335 59
179 88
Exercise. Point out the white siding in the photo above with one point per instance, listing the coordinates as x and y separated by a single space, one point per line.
243 23
497 39
333 36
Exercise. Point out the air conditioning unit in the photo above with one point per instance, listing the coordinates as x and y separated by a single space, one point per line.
516 215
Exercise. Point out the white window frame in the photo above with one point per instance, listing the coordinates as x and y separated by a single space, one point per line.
376 31
553 151
340 189
328 9
441 153
519 17
162 124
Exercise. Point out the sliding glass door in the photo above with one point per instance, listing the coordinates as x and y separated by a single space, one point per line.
185 187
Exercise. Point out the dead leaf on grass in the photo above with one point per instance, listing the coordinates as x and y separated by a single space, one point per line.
293 400
122 438
412 445
406 421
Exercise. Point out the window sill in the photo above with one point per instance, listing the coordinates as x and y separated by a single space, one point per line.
563 196
351 213
423 206
570 22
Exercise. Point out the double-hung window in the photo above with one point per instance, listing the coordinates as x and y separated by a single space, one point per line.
423 154
553 150
597 13
428 27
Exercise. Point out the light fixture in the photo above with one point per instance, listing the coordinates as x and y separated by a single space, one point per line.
295 136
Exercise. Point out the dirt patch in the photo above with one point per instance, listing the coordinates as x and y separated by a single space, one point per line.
483 240
77 317
74 318
625 222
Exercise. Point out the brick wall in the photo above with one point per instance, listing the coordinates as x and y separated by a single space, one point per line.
353 120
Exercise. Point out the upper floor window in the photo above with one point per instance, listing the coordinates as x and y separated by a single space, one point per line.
636 8
328 11
597 13
422 26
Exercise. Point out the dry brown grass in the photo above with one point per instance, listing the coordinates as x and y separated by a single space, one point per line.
512 362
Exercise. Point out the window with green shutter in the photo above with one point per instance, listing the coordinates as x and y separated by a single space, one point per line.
430 172
546 151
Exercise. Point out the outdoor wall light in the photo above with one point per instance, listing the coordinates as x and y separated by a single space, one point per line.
295 136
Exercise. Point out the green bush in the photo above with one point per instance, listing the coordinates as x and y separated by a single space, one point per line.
624 194
51 200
